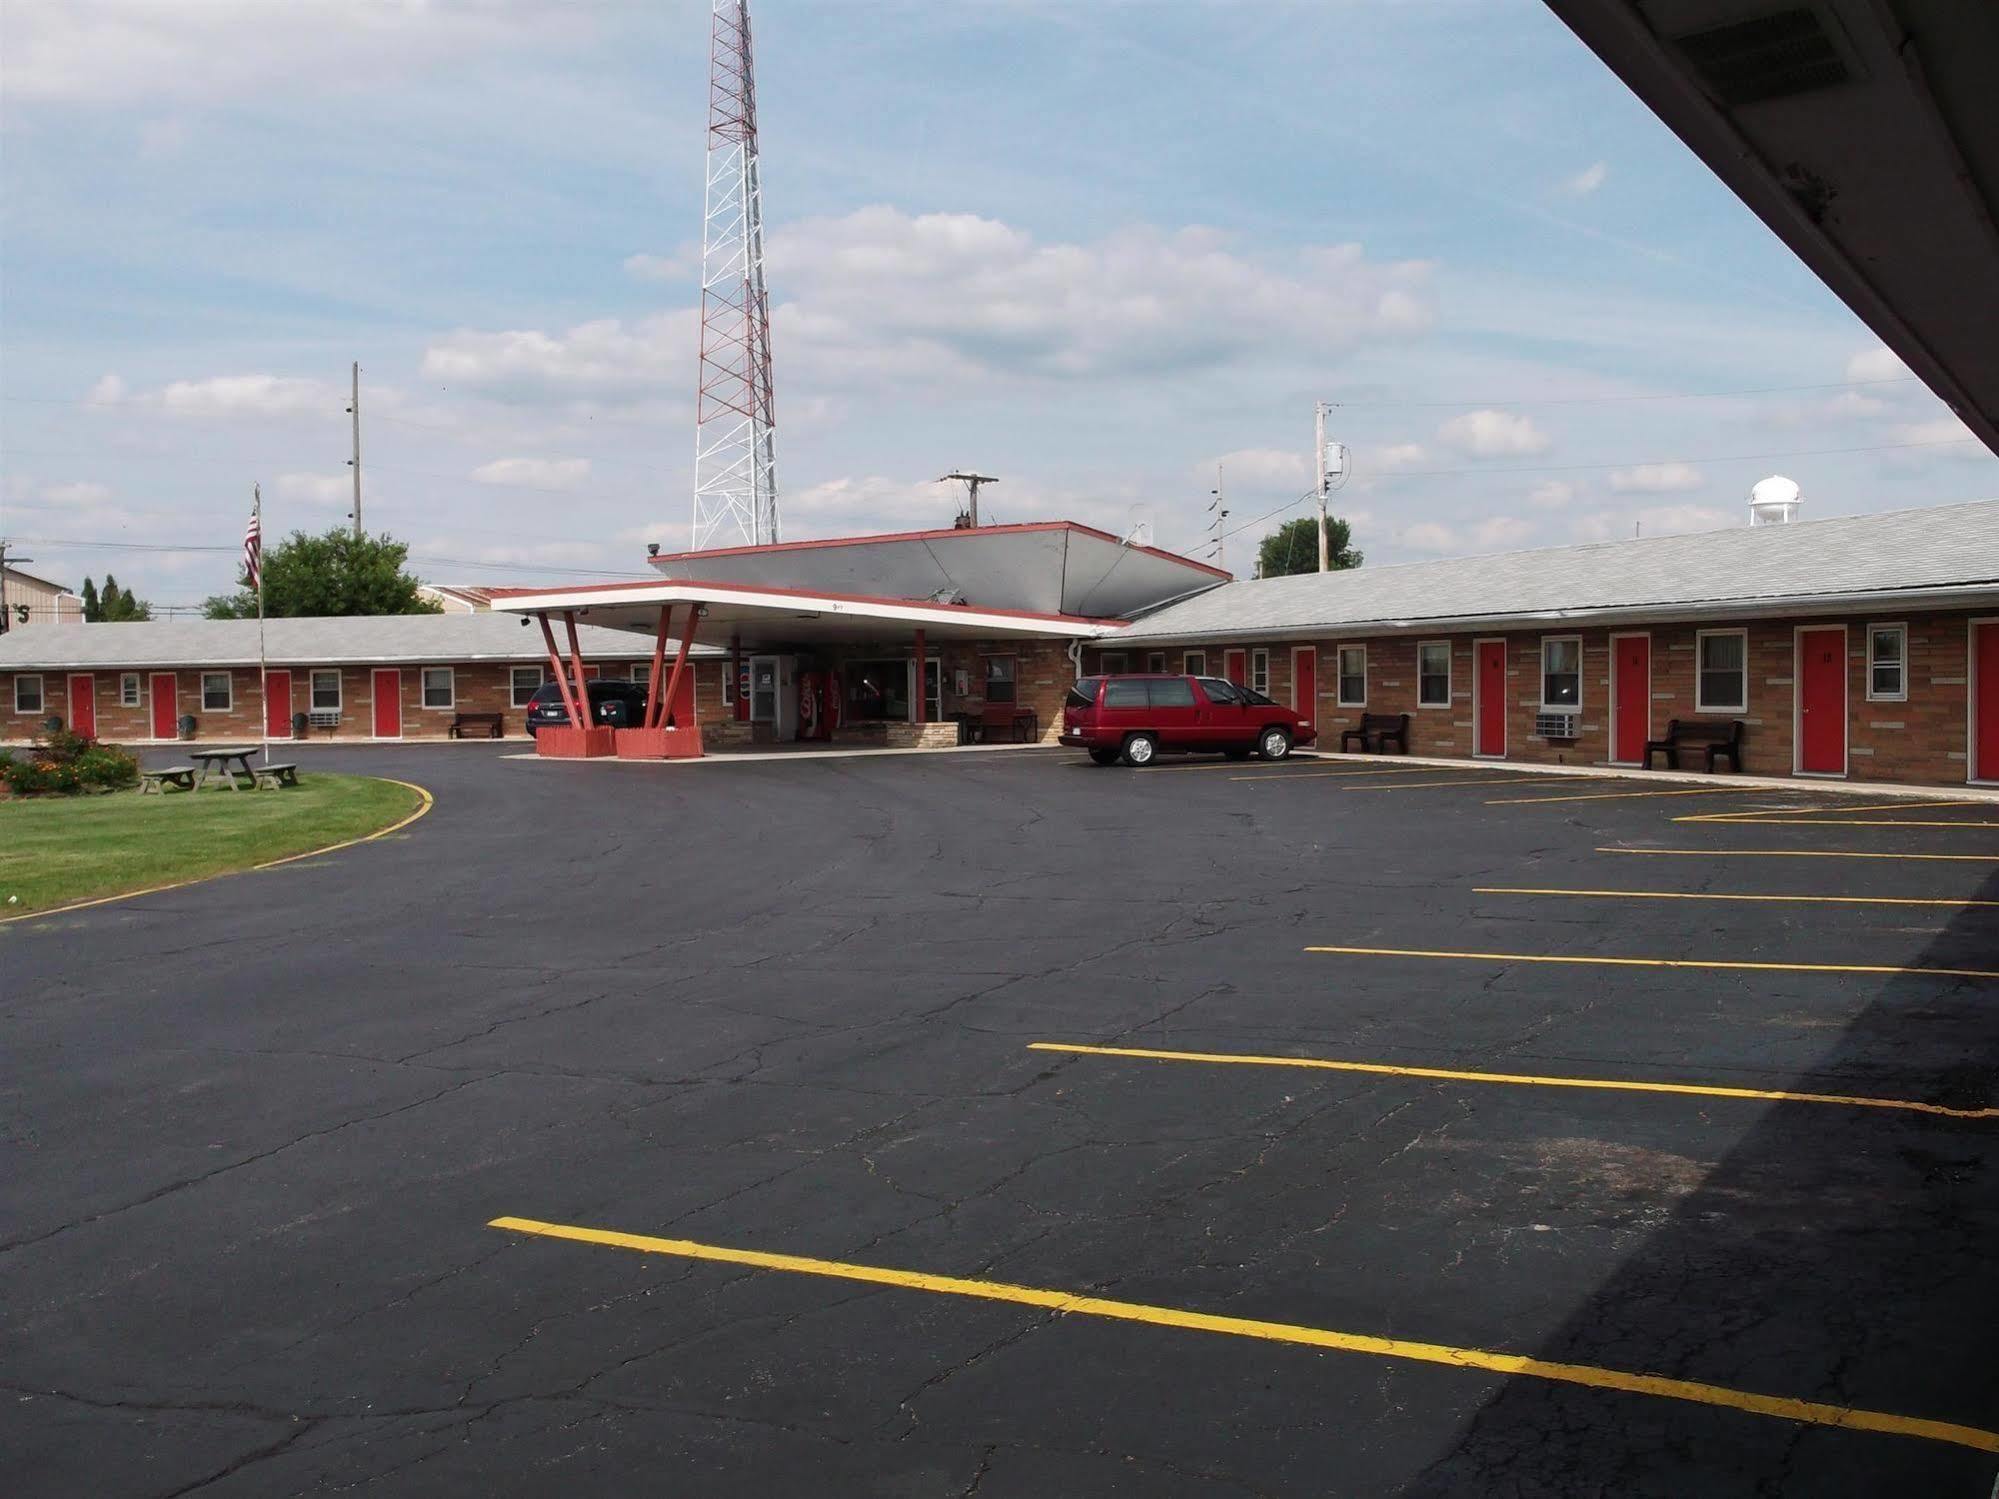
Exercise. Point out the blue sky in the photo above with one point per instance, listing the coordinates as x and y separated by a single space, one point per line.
1092 247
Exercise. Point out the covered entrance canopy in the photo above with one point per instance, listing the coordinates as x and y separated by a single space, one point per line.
750 620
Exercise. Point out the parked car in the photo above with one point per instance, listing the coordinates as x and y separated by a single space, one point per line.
619 705
1138 718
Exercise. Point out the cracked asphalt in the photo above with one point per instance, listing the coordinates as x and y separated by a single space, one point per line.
256 1129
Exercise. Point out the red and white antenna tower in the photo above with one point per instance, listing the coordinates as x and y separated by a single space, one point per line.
735 459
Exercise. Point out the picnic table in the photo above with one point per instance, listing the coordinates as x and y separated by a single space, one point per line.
221 765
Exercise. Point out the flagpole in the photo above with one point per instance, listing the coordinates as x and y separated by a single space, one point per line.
263 670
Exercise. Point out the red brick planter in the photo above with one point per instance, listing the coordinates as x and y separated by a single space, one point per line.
575 744
659 744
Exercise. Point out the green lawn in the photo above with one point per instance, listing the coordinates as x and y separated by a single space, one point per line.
54 850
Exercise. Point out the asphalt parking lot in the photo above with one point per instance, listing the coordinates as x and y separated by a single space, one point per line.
1658 1156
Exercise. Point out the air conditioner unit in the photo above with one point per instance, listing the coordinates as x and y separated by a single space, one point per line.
1555 725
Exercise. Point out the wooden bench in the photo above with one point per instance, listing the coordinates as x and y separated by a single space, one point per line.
1377 731
494 725
271 777
155 782
1001 723
1717 739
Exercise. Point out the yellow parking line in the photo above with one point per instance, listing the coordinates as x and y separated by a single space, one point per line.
1808 900
1275 770
1806 814
1845 822
1443 1074
1069 1303
1529 957
1427 785
1800 853
1618 796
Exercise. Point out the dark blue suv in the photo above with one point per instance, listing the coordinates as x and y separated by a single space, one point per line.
618 705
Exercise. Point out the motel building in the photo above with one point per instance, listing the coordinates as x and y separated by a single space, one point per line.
1865 647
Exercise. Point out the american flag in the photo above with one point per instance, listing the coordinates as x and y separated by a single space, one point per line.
253 552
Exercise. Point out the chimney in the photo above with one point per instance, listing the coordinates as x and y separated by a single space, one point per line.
1773 502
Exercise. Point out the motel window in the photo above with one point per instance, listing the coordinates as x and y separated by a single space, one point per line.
1259 672
440 687
876 691
933 689
1111 662
729 669
642 673
326 691
27 694
216 694
1000 685
1353 676
524 683
1562 671
1195 663
1887 663
1433 674
128 690
1155 661
1721 675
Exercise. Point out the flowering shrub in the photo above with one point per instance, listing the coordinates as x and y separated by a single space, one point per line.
66 764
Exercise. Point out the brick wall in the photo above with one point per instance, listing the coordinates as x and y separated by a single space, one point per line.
1920 739
479 687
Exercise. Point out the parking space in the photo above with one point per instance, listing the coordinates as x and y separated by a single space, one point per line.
997 1124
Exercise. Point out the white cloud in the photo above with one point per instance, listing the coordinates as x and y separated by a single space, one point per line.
682 264
82 495
1941 430
1587 181
1851 405
1497 531
315 489
1653 520
248 395
534 473
1399 455
1656 478
1493 434
1877 363
1429 536
1258 468
1556 494
607 357
108 391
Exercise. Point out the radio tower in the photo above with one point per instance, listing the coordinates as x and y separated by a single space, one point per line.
735 460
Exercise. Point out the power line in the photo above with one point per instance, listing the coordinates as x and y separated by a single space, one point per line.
1687 395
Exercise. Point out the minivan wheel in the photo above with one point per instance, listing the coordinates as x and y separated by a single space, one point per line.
1104 756
1140 750
1274 745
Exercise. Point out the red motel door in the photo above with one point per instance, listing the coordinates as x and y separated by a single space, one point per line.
1985 672
1822 701
1631 692
83 705
388 695
1305 683
278 704
165 688
1235 666
1492 697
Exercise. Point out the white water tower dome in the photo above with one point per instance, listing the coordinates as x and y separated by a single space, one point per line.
1773 502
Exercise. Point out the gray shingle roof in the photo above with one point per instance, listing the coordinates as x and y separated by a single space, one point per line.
442 639
1908 552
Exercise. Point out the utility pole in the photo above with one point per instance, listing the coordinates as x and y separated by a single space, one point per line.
354 410
1221 512
1319 465
6 620
971 482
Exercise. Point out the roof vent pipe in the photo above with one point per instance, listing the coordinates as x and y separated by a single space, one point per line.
1773 502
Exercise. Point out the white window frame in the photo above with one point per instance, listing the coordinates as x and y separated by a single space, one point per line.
131 690
1340 675
41 692
933 706
1901 628
514 698
729 669
1112 663
229 686
312 676
1155 661
1450 673
1701 704
423 702
1259 672
1553 707
1194 663
642 674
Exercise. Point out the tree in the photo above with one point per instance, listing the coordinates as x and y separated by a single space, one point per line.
1294 548
114 605
338 573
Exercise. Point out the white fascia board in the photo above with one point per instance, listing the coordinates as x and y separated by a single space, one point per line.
806 603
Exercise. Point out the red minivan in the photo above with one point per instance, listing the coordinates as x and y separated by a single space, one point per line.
1138 718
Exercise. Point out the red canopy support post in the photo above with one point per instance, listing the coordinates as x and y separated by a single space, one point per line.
561 673
655 715
736 677
918 708
679 664
576 661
